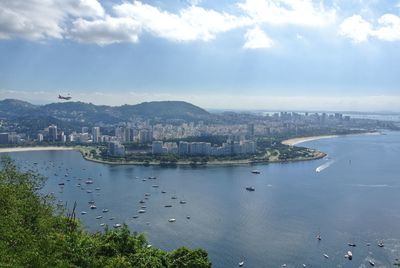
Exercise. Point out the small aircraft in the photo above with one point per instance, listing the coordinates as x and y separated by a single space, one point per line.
64 98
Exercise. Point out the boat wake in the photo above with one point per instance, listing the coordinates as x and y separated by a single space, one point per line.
372 185
324 166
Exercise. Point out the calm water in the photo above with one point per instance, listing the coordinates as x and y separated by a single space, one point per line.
356 198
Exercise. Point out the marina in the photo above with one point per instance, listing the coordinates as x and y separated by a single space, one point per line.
267 224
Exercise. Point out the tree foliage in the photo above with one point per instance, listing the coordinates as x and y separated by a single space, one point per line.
34 234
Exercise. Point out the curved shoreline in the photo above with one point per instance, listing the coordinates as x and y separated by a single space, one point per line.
295 141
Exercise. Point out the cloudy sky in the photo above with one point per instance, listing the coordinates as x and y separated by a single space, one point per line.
245 54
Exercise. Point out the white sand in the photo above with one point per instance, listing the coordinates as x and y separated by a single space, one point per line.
295 141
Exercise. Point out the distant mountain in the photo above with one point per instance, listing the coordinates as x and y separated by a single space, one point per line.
91 114
12 107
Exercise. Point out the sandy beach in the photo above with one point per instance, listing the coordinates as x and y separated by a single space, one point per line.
31 149
295 141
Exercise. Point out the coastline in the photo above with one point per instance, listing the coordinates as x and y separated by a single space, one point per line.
32 149
242 162
295 141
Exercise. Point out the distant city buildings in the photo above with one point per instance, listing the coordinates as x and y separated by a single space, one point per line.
115 148
204 148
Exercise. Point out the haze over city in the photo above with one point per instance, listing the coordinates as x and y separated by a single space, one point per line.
249 54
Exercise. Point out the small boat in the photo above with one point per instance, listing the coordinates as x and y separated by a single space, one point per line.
112 218
163 192
147 194
168 206
188 217
142 201
371 263
98 189
255 171
304 265
117 225
83 212
250 188
149 246
155 186
143 207
89 182
61 184
105 210
141 211
319 238
381 245
284 265
152 178
102 224
135 216
241 263
171 220
173 197
91 202
349 255
99 217
182 202
351 244
326 256
93 206
89 191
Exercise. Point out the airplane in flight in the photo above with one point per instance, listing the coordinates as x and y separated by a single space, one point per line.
64 97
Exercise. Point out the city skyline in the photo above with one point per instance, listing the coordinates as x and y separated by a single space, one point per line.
248 54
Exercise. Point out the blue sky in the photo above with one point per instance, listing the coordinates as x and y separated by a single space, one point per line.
263 54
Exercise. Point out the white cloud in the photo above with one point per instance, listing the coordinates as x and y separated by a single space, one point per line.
295 12
389 29
36 20
257 38
105 31
355 28
192 23
360 30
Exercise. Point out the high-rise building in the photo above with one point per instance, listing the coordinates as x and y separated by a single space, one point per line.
157 147
250 130
183 148
52 133
115 148
40 137
96 134
4 138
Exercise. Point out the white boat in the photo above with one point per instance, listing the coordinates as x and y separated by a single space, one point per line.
141 211
93 206
117 225
371 263
172 220
99 217
255 171
102 224
241 263
326 256
182 202
349 255
83 212
105 210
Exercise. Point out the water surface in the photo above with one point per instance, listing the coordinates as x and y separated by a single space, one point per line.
355 198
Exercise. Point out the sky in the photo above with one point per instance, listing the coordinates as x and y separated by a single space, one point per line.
243 54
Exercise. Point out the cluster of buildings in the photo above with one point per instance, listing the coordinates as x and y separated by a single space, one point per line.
204 148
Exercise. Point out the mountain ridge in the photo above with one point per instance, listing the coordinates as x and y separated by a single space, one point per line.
76 111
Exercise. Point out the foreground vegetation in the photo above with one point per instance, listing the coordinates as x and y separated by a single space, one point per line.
35 234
